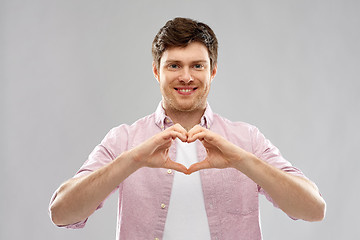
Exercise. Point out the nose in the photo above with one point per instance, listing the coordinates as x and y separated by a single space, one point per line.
186 76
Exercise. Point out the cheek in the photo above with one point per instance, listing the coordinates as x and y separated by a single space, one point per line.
167 78
162 86
165 85
207 82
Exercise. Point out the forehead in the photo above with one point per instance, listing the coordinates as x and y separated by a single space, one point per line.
193 52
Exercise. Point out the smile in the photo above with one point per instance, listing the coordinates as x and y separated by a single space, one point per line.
185 91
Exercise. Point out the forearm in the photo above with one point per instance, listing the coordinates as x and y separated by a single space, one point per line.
296 196
78 198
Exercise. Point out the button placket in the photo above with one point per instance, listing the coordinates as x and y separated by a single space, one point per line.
164 198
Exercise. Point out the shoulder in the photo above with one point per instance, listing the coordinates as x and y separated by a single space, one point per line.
144 121
128 129
221 122
134 133
238 132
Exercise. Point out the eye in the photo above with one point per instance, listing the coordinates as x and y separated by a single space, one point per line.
173 66
198 66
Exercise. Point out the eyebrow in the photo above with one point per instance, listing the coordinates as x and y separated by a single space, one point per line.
177 61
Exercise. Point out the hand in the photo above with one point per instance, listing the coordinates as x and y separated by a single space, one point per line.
154 152
220 152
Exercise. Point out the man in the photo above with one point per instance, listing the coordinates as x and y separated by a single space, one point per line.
215 196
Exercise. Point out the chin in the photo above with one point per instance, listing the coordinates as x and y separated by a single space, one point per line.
190 107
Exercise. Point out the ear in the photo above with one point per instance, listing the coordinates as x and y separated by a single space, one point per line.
213 73
155 71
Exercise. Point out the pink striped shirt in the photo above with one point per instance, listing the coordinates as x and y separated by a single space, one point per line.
231 198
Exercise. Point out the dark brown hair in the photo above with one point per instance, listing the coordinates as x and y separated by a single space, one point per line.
179 32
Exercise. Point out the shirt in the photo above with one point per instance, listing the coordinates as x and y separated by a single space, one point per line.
231 198
186 217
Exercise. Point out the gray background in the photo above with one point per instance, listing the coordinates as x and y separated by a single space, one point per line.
71 70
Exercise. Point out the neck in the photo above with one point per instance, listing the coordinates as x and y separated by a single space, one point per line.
187 119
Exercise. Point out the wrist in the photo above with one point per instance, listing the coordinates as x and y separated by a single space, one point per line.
244 161
130 160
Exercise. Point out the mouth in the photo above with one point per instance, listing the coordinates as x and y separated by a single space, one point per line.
186 90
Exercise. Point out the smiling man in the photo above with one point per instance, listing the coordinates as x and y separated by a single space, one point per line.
185 75
220 166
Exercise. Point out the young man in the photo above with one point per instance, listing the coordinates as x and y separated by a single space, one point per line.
236 161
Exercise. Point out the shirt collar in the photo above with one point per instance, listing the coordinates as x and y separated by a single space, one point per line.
163 121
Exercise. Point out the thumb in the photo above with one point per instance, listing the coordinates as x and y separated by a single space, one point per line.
198 166
175 166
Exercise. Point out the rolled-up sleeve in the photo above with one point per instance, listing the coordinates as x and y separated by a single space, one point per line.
113 144
269 153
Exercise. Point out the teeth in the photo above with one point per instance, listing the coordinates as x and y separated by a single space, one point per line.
185 90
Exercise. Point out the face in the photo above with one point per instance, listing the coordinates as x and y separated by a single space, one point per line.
185 77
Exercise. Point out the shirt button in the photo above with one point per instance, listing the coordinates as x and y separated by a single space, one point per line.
163 205
169 171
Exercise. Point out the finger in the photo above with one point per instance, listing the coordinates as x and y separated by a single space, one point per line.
175 166
174 134
207 136
197 136
195 129
193 134
178 128
198 166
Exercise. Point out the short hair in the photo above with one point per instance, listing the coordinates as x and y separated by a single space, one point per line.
180 32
